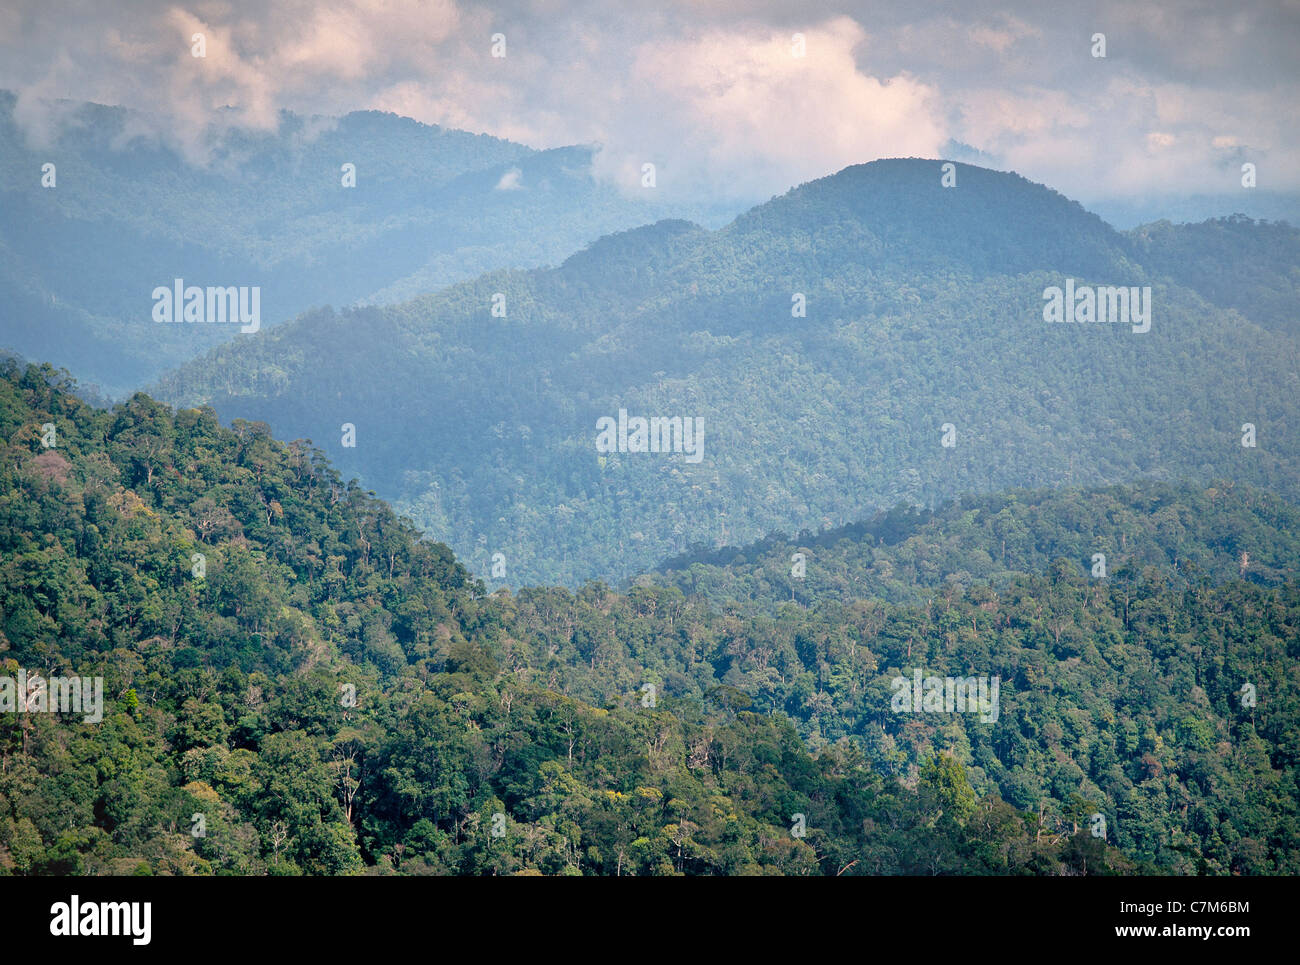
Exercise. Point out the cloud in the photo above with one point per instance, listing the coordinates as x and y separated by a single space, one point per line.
510 181
258 58
742 111
710 92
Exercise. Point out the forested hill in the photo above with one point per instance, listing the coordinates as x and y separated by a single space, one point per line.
1232 262
868 338
1193 536
286 659
121 210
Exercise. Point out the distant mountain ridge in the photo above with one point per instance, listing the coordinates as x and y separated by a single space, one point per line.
923 321
1192 536
430 206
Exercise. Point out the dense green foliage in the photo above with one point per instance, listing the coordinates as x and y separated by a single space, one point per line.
223 693
79 261
1218 534
924 308
1235 262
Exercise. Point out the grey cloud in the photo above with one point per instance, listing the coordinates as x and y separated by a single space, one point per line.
707 90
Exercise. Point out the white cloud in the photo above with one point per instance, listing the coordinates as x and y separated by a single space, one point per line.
710 93
751 115
510 181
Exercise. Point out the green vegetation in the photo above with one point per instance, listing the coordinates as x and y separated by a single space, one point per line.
79 261
227 696
924 308
1190 535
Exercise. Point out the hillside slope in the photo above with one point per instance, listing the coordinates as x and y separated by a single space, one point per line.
1194 536
79 259
924 309
333 694
294 682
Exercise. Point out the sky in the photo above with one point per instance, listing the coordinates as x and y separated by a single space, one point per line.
727 98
